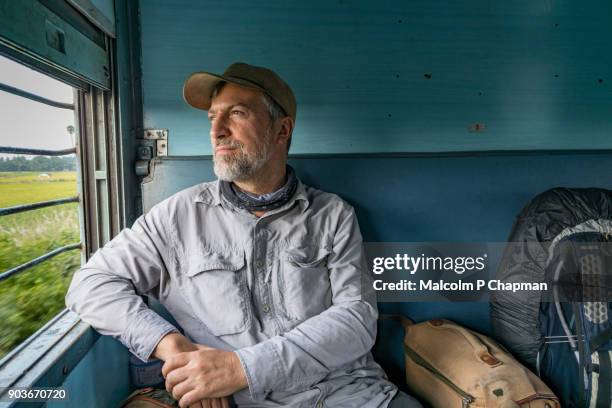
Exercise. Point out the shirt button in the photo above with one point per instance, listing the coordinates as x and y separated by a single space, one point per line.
266 308
259 264
319 405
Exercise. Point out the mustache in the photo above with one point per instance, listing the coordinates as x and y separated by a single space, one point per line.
230 144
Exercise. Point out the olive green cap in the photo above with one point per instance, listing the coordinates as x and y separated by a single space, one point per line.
199 87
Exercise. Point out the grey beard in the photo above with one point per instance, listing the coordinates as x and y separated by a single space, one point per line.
242 167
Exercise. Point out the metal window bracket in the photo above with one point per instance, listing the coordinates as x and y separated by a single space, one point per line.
153 144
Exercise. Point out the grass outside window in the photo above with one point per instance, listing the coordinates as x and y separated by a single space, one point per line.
31 298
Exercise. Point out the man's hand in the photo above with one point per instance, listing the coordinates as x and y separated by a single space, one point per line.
175 343
205 373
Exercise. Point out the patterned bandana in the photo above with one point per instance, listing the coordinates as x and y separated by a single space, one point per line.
263 202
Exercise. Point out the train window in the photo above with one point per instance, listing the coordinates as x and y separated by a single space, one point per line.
40 236
62 181
59 192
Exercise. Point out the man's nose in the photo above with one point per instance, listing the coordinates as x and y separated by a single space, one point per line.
218 128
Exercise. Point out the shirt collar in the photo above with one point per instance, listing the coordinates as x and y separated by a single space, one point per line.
210 194
300 194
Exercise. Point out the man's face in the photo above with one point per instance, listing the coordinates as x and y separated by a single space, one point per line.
241 133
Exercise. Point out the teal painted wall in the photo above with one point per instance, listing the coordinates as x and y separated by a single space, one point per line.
537 74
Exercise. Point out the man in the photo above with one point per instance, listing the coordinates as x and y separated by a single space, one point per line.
263 273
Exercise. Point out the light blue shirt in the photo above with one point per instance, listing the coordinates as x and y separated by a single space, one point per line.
289 292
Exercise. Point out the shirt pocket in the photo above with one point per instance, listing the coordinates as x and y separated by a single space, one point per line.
217 290
304 281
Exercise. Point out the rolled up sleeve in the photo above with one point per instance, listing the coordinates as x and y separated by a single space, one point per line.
106 291
336 337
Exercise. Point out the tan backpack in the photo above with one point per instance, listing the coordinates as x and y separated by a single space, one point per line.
450 366
150 398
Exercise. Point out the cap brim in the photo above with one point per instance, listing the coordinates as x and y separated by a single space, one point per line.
199 87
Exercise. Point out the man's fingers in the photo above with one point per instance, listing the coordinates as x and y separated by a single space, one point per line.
176 361
225 403
189 398
198 404
180 390
175 377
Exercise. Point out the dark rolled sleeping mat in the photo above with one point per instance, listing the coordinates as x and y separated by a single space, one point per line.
515 316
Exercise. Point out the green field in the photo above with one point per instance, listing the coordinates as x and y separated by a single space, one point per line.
29 187
30 298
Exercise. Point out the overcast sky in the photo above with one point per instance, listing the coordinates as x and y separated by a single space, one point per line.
25 123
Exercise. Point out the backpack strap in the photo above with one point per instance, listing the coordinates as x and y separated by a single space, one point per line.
601 339
582 364
603 384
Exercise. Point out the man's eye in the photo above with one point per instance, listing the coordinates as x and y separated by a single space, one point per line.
211 118
237 112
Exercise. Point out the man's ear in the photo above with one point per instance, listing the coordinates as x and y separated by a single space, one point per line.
285 130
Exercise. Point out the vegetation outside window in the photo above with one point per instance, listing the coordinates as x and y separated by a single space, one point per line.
30 298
